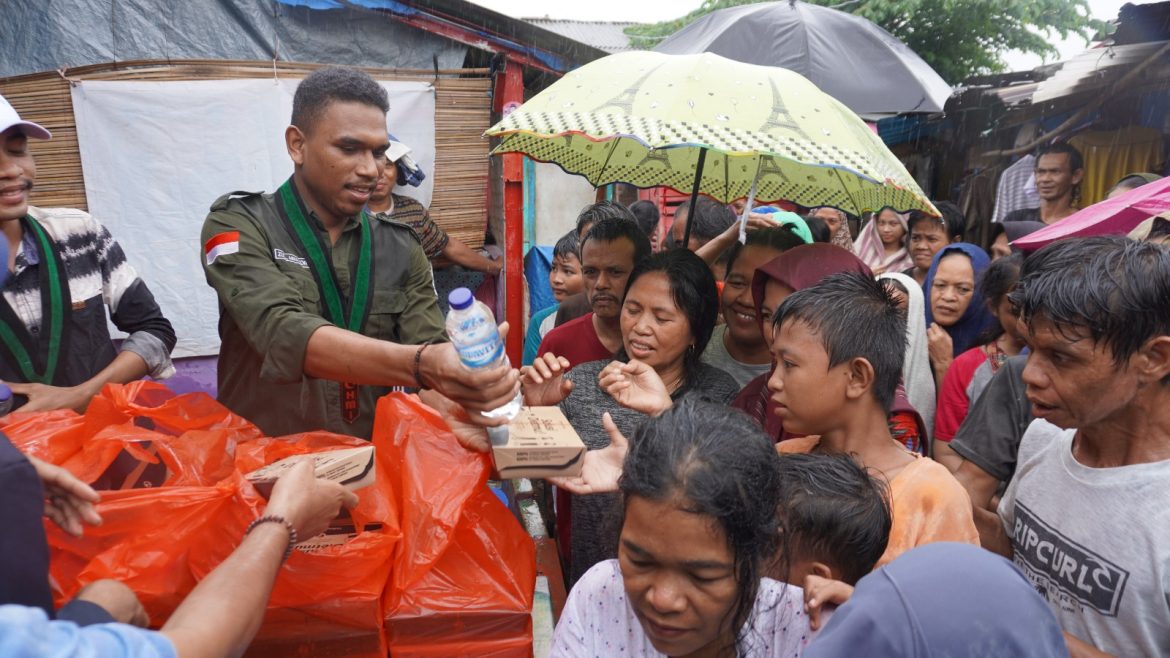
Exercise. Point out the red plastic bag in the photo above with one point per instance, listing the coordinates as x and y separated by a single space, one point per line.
465 571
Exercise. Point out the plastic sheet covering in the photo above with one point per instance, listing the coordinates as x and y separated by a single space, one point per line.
465 571
70 33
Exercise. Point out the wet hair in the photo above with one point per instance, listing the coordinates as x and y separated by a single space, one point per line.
709 219
718 463
646 214
1075 159
693 290
1132 182
855 317
595 212
334 84
952 221
818 228
1159 229
831 510
567 246
841 214
779 238
998 280
1110 287
608 229
895 285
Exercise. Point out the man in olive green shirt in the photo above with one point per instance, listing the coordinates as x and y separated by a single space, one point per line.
321 304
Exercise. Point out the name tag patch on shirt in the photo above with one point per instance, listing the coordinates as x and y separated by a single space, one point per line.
221 245
280 254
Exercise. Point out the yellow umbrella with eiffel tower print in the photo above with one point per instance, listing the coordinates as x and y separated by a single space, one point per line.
705 124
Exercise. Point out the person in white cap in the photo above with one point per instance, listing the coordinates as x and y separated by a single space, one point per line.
402 170
55 345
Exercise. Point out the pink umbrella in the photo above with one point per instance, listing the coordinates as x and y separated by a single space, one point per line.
1121 214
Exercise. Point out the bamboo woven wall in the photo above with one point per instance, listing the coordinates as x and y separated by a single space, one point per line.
462 113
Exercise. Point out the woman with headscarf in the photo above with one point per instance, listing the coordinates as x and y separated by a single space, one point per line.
838 224
955 313
971 371
917 377
943 599
882 243
798 269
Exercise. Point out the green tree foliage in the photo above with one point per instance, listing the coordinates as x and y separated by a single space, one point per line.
959 38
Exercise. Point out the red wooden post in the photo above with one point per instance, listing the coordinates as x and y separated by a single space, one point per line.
508 95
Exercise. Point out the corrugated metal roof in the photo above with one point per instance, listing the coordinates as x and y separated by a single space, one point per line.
603 35
1087 71
1016 94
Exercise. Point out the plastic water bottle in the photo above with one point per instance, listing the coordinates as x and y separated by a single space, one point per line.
473 331
5 399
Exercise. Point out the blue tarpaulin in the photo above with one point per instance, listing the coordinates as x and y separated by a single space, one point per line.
537 265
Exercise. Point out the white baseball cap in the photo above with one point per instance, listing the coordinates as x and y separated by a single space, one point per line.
397 149
9 118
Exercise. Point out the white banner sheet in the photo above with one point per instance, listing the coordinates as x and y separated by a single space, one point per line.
157 154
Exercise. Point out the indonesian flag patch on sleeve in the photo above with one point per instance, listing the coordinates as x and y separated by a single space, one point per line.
221 244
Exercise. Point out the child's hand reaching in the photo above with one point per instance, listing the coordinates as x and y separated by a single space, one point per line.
819 591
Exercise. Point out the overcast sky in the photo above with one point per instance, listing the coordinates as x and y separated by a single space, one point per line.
651 11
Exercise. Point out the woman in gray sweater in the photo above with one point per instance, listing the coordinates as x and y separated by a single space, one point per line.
668 313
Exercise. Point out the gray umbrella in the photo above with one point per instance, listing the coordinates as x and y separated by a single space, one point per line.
847 56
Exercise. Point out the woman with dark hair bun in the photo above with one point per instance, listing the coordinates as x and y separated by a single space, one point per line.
701 488
667 317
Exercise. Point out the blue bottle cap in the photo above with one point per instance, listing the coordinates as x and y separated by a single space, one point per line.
460 298
5 393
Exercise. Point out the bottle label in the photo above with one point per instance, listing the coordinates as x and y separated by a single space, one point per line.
483 353
472 324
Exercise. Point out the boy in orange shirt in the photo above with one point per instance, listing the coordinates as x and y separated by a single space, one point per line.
838 348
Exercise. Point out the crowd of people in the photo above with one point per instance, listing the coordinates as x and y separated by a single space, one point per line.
798 443
905 380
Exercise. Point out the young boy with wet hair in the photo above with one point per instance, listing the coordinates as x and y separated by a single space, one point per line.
565 280
1087 514
835 518
838 348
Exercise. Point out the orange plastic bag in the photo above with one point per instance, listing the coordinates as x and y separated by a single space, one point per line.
328 602
144 541
193 435
147 534
465 570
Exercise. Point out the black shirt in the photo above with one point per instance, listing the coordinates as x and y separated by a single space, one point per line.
1023 215
990 436
24 571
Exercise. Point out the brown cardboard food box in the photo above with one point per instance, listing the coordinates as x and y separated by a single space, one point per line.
339 532
352 468
541 444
